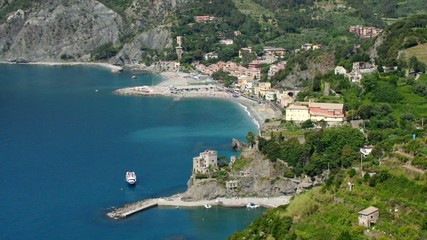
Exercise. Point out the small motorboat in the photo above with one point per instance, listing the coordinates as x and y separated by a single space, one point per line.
252 205
207 206
131 177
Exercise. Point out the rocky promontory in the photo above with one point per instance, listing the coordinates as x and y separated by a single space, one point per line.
254 175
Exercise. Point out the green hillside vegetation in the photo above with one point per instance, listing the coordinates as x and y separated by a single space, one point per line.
11 6
393 110
419 51
402 35
331 211
254 10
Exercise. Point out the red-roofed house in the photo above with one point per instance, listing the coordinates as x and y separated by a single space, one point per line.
329 112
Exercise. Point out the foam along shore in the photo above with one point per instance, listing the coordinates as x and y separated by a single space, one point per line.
184 85
176 201
112 67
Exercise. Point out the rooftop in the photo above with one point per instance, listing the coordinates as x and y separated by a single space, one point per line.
369 210
339 106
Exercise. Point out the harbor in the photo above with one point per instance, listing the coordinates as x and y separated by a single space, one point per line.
177 201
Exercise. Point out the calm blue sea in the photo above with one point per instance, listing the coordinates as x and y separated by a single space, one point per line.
65 148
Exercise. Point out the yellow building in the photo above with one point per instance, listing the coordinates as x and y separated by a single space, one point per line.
262 88
297 113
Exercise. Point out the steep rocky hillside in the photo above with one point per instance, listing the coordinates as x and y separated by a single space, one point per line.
73 29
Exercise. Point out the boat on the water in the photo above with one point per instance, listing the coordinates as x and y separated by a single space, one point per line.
252 205
131 177
207 206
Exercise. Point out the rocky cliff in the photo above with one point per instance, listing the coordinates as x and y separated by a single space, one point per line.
258 178
55 30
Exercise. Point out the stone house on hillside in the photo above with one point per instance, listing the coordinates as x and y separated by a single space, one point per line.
369 216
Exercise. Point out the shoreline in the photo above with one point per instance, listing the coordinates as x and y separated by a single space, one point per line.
259 112
177 202
185 86
109 66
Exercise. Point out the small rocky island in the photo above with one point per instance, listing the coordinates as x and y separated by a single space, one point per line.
248 179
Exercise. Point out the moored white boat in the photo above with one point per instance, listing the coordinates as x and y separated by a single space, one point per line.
252 205
207 206
131 177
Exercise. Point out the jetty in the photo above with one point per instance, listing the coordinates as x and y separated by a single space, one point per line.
176 201
132 208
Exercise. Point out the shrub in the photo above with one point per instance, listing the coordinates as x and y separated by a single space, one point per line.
351 172
105 51
201 176
420 162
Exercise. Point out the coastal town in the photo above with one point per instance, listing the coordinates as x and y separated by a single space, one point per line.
216 119
251 88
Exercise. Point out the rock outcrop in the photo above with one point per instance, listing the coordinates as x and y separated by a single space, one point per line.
204 189
56 30
157 38
259 178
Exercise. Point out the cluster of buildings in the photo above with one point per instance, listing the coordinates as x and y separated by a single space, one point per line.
332 113
365 32
359 68
263 90
232 68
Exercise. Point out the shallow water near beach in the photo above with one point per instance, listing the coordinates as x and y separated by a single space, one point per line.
66 142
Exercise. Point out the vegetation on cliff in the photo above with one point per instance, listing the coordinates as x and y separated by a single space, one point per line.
391 108
331 211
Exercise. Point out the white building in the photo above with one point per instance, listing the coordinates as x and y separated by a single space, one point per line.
204 161
231 185
340 70
271 95
211 55
227 41
366 150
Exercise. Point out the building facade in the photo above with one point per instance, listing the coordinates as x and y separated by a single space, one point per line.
297 113
332 113
369 216
329 112
202 163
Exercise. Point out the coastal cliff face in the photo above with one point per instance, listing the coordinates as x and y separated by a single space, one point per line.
262 179
56 30
49 30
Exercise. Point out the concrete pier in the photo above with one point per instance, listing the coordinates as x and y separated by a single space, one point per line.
132 208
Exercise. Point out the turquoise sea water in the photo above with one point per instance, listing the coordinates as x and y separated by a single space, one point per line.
65 148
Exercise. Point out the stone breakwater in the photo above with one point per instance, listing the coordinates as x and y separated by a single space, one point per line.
177 201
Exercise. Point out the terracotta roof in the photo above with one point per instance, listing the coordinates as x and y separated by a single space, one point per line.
368 210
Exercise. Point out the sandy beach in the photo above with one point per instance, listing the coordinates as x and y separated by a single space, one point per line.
113 68
183 85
